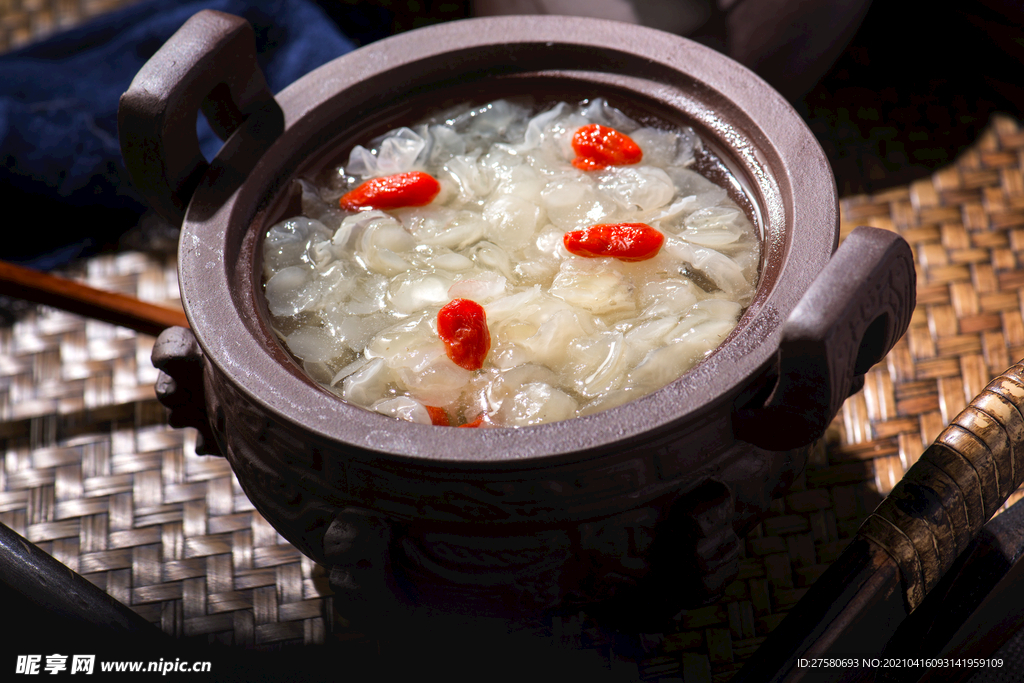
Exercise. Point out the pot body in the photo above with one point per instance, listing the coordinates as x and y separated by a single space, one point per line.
641 530
640 505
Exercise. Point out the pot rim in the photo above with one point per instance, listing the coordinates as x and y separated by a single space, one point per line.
729 105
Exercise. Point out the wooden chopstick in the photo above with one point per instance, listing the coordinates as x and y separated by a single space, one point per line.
24 283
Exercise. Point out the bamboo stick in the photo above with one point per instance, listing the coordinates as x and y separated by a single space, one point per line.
41 288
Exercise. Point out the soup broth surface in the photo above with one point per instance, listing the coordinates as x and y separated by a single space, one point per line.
355 295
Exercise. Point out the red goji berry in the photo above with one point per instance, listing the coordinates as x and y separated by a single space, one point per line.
438 416
624 241
598 147
393 192
474 424
462 326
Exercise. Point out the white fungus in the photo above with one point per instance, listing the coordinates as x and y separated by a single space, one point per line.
355 296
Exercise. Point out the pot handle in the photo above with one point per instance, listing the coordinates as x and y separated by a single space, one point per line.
180 387
209 64
853 313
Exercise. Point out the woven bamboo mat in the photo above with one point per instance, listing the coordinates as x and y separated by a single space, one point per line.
965 224
92 474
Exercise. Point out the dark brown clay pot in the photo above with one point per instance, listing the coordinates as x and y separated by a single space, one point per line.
638 508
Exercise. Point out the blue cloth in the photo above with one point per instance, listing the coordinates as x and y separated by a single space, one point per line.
61 160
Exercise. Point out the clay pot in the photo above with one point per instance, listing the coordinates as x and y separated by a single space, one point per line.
638 509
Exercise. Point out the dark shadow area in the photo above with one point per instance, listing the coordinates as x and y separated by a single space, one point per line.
916 86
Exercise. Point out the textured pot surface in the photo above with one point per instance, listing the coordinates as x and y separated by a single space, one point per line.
758 132
587 506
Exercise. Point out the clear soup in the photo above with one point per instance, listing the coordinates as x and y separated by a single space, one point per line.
355 294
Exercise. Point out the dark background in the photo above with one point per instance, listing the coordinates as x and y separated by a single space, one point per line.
893 91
